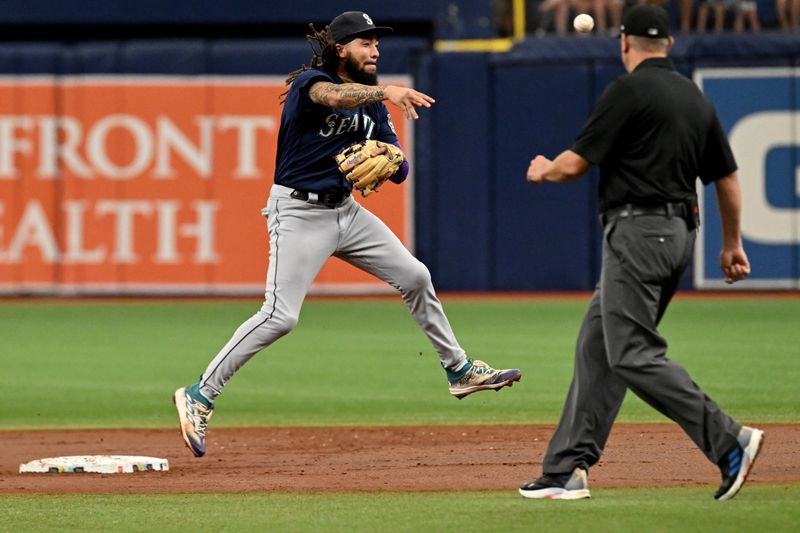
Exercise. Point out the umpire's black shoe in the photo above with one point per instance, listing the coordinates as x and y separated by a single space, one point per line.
736 464
574 486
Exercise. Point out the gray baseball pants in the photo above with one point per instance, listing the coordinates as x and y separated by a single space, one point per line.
302 237
619 348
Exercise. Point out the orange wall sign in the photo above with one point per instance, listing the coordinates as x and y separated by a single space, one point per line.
151 185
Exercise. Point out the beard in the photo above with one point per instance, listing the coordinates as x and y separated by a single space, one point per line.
357 74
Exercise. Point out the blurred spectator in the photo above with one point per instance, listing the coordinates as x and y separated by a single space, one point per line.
559 14
544 16
615 9
746 11
504 17
686 12
788 14
719 7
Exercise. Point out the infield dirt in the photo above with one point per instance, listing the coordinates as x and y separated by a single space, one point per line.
369 459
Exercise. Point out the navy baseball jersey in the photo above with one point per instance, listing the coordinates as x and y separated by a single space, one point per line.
312 134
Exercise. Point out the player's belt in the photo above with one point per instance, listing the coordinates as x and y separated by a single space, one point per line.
678 209
328 199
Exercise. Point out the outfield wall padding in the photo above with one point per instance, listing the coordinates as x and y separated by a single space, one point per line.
477 224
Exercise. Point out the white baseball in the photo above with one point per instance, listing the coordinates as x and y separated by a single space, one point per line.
583 23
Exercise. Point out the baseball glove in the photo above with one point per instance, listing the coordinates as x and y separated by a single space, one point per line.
369 163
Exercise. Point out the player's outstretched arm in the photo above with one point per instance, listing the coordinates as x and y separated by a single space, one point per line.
345 95
353 95
407 99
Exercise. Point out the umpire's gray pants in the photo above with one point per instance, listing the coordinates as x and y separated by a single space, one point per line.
619 348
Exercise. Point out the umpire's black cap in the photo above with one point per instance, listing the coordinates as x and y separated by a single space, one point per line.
646 20
352 24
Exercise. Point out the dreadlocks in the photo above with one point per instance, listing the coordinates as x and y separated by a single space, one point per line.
323 55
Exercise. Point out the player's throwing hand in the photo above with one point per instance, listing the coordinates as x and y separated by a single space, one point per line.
407 99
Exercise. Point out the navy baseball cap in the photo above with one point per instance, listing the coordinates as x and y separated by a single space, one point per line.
645 20
352 24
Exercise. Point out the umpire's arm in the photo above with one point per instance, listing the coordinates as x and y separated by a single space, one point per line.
732 259
567 166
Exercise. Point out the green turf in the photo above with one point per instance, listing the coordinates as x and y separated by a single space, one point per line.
757 508
90 364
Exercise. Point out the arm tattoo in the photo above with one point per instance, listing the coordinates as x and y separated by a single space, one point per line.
346 95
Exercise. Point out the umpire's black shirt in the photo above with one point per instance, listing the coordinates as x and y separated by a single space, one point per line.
652 133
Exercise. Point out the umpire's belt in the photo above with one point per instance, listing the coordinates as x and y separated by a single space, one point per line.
679 209
328 199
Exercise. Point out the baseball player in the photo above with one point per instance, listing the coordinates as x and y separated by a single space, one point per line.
652 133
312 216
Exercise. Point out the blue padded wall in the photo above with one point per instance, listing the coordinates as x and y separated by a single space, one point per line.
461 178
541 234
31 58
479 225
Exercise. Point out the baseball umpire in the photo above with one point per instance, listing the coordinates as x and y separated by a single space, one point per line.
652 133
335 135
